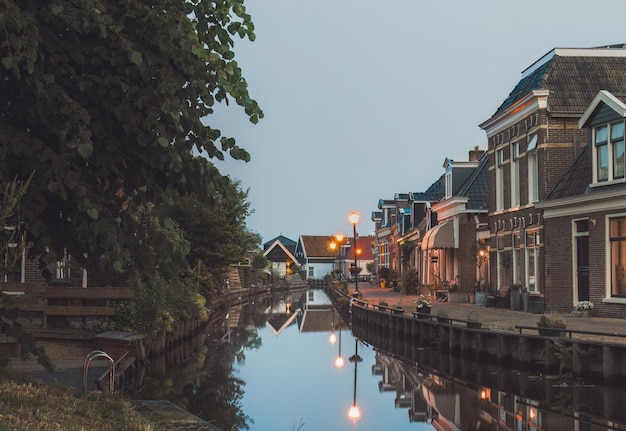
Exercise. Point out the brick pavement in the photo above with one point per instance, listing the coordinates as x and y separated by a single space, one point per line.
494 318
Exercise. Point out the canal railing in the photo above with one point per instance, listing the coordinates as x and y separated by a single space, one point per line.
592 354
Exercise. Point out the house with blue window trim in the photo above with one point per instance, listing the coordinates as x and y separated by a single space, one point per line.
585 217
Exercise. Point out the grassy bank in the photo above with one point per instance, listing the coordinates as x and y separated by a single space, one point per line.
28 405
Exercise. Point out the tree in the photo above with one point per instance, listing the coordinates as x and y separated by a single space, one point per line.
11 248
109 100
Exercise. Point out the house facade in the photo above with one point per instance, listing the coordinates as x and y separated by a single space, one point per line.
533 139
315 256
585 217
280 253
456 231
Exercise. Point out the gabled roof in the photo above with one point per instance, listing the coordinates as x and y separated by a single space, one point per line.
476 187
616 102
290 244
572 77
277 252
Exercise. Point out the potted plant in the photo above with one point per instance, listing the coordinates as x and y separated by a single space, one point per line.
473 320
423 306
585 308
551 325
383 303
442 317
397 309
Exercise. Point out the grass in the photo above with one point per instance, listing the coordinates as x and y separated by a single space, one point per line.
27 405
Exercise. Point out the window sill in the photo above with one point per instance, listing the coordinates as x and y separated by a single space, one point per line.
614 300
607 183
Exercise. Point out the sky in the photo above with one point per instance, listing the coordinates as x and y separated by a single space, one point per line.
364 99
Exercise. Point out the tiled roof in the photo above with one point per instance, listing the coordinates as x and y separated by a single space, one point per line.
572 80
576 180
476 187
365 244
288 243
434 193
317 246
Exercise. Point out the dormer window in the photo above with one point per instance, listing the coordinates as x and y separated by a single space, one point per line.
609 152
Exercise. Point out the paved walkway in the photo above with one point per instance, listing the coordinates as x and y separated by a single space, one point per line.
494 318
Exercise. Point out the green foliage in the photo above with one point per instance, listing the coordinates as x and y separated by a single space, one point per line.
551 321
110 102
260 261
409 282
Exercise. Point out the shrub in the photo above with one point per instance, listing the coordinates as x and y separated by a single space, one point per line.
551 321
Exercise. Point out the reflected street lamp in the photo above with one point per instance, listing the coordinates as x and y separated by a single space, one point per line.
339 361
354 218
354 412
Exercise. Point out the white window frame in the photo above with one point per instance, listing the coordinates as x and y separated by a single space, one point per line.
515 180
533 176
607 145
532 250
611 274
311 271
500 179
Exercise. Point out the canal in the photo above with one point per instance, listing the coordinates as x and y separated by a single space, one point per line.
271 365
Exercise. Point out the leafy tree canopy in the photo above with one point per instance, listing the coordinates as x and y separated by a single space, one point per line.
107 102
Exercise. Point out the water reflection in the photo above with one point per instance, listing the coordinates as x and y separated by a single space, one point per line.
270 366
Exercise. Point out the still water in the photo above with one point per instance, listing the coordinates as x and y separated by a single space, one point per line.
270 365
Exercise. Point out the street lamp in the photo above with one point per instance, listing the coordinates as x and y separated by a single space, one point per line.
354 218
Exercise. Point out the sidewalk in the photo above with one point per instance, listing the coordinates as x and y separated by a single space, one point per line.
494 318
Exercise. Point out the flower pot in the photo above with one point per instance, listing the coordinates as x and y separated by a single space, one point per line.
480 298
474 325
424 312
442 319
585 313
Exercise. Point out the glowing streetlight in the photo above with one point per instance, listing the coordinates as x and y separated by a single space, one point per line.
354 218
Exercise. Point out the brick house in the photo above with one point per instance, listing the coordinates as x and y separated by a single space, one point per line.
585 216
457 229
533 139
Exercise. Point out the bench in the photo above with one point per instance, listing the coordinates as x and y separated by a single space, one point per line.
500 298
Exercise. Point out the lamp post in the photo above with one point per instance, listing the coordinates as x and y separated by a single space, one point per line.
354 218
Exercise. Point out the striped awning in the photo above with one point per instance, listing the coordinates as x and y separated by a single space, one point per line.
441 236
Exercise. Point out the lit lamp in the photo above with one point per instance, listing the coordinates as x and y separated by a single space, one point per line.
333 248
354 218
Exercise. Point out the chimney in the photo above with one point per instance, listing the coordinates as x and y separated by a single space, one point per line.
475 154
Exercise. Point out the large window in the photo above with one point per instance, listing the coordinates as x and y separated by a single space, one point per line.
618 256
499 180
533 170
533 241
515 174
609 152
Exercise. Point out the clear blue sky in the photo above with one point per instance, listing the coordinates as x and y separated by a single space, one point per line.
366 99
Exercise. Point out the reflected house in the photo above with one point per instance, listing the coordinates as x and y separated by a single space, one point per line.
281 315
317 313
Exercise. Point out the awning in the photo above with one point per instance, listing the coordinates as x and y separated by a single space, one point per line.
441 236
